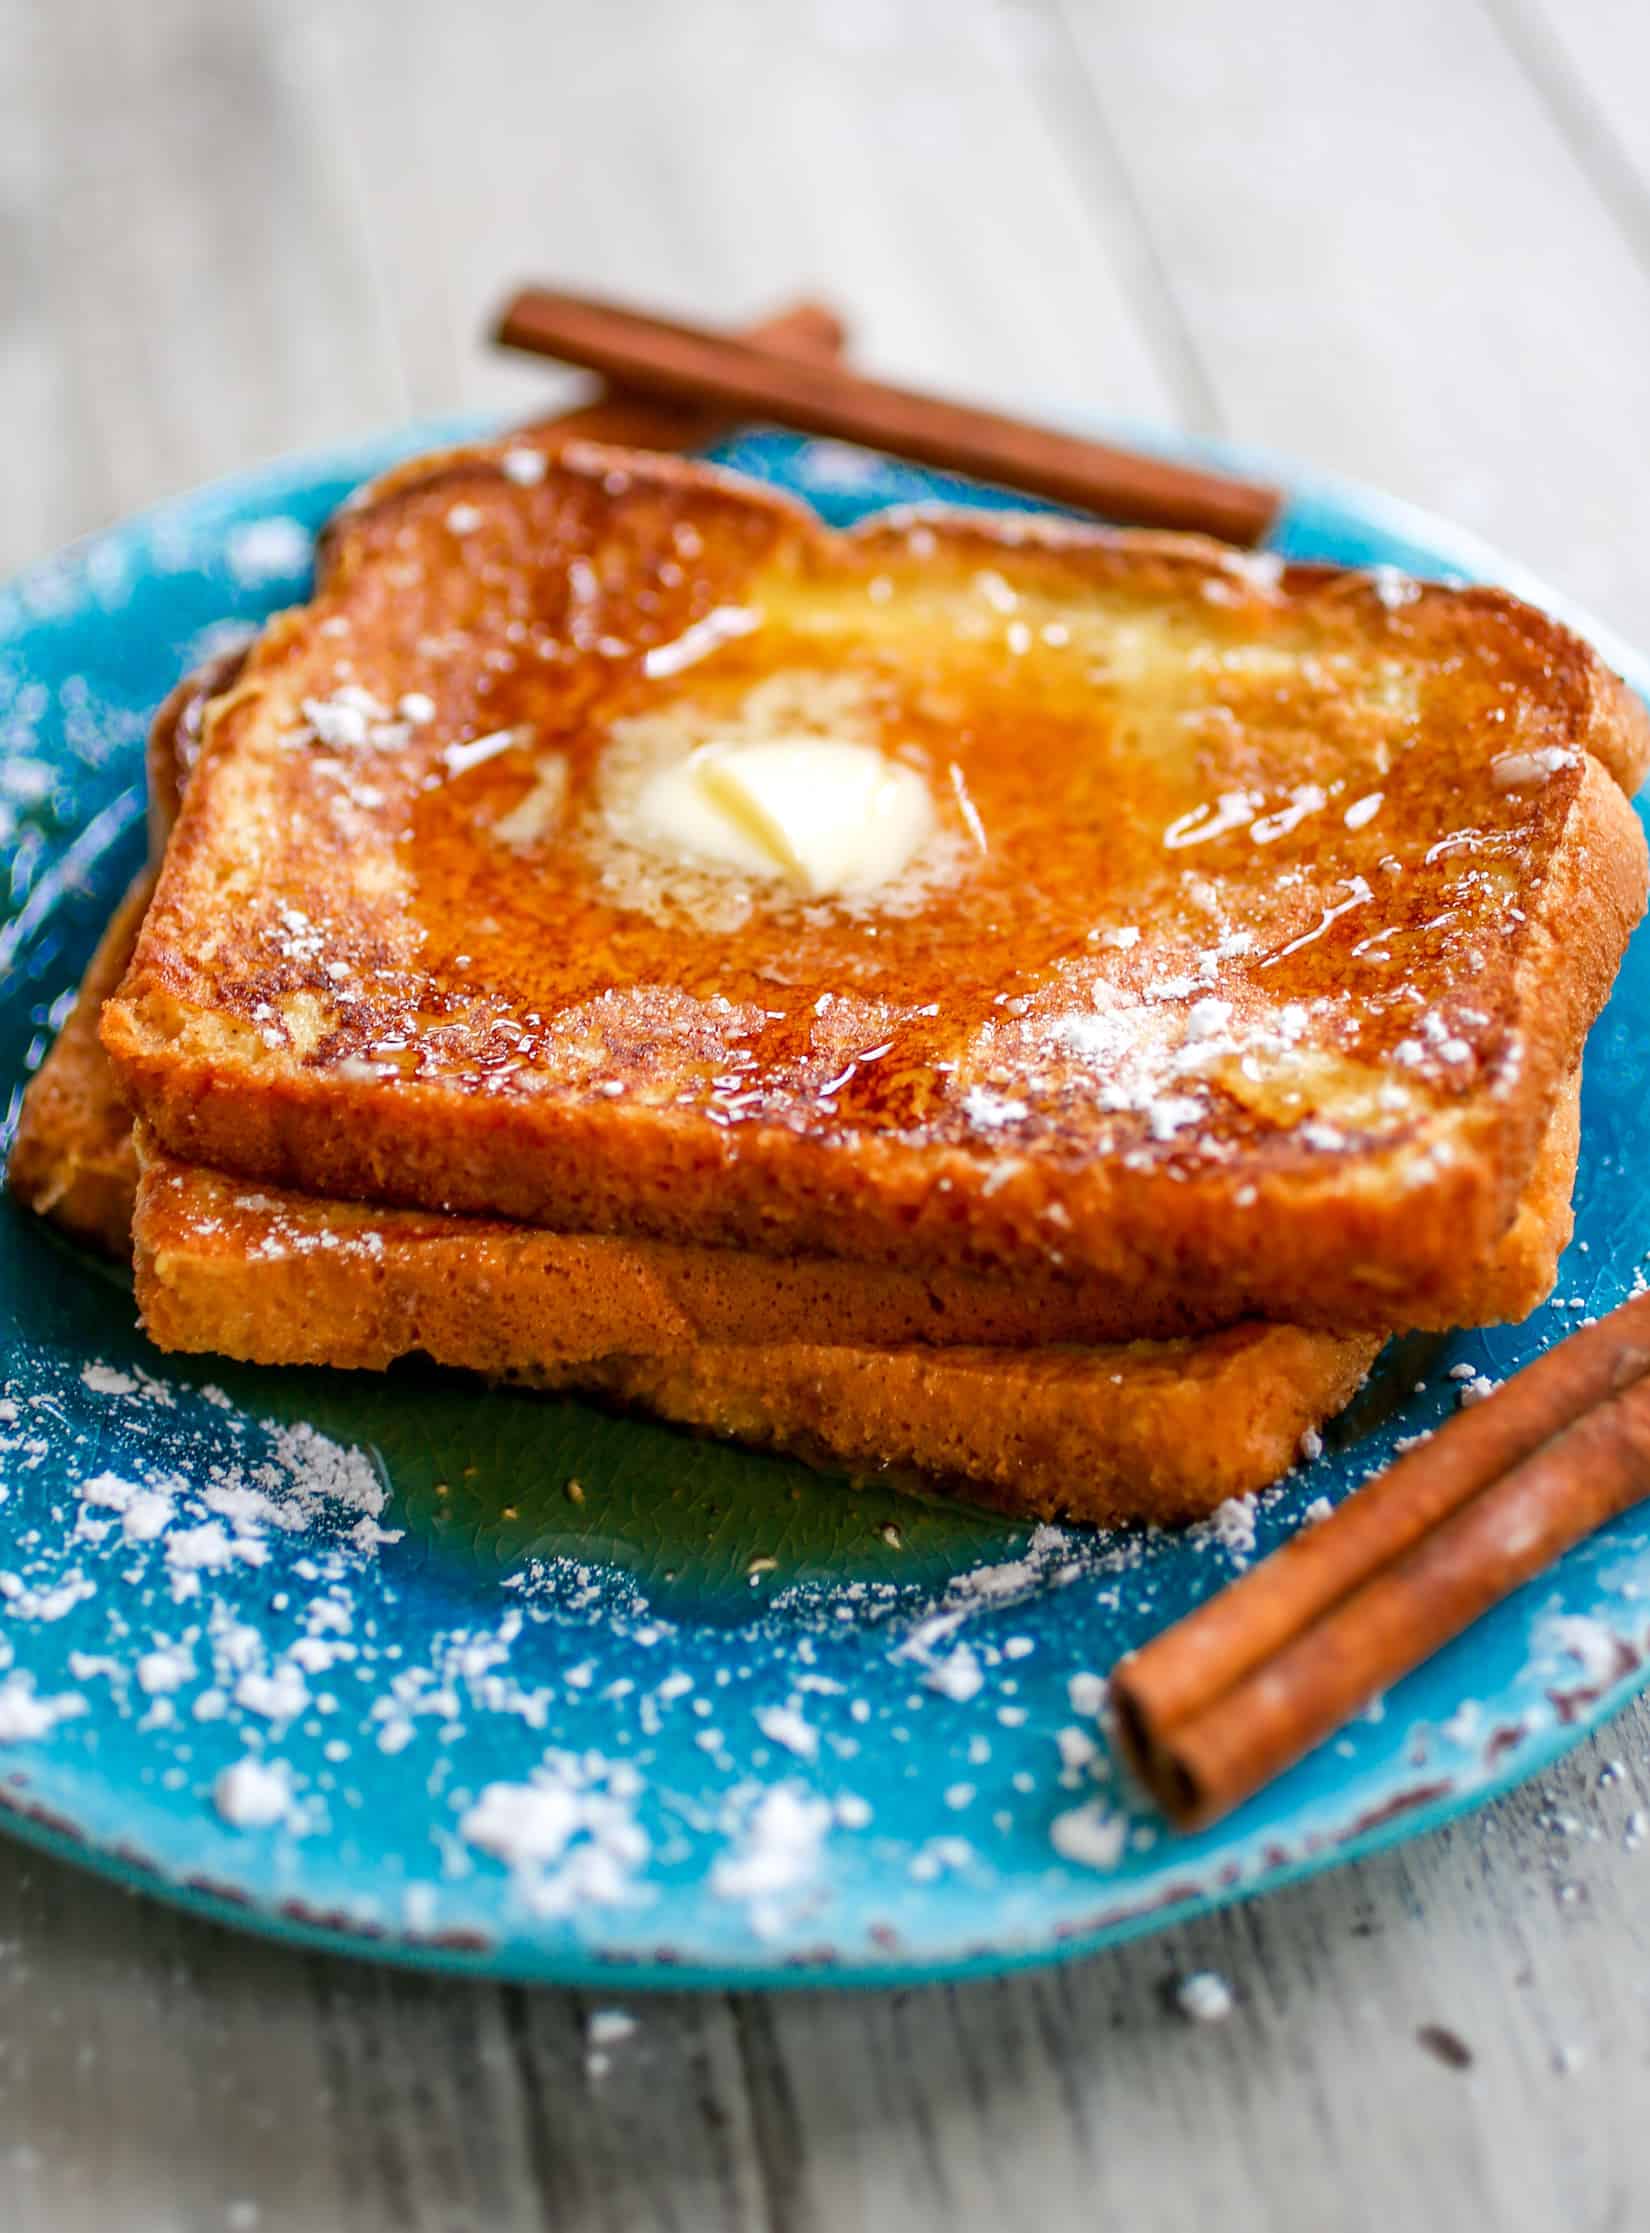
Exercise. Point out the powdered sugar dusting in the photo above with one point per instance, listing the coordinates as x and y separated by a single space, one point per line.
252 1795
570 1837
1204 1997
260 551
140 1560
25 1714
1092 1835
775 1856
784 1725
957 1675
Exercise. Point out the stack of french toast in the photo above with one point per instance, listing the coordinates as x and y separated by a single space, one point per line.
1016 1006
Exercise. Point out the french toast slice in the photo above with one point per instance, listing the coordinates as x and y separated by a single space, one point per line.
73 1160
821 1357
1266 910
1150 1434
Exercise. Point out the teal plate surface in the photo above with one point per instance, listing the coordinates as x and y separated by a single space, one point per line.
348 1660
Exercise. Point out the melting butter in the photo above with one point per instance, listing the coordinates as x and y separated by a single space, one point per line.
818 813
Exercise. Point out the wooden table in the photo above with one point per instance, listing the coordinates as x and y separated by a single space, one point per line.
1409 242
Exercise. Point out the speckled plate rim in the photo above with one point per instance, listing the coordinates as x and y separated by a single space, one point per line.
1411 539
1408 1815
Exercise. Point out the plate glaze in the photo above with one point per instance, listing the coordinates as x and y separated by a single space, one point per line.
532 1691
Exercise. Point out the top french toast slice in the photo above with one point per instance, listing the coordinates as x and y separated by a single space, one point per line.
1265 910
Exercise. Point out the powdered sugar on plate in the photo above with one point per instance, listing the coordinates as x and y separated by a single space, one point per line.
774 1856
144 1560
570 1836
277 549
1094 1835
24 1713
1204 1997
237 1591
253 1794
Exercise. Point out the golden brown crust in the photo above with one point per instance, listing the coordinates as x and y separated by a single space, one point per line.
280 1278
174 743
1130 1430
1618 733
1240 1207
72 1158
1518 1275
1148 1432
1153 1433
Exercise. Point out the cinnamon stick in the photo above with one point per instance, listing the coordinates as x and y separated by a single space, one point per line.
1245 1686
694 364
805 329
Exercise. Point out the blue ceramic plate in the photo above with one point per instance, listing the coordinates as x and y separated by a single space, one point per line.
502 1683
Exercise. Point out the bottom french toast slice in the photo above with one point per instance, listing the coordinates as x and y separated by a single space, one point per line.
1112 1432
1125 1434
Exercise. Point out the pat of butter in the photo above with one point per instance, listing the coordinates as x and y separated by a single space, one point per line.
822 815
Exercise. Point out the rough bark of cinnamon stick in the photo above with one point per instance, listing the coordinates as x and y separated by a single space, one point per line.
664 357
1250 1682
805 330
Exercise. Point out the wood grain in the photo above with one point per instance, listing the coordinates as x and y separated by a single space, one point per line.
1389 256
1368 236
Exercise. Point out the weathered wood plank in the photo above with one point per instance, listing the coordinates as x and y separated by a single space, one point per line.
169 2064
1392 263
194 295
1589 64
720 157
